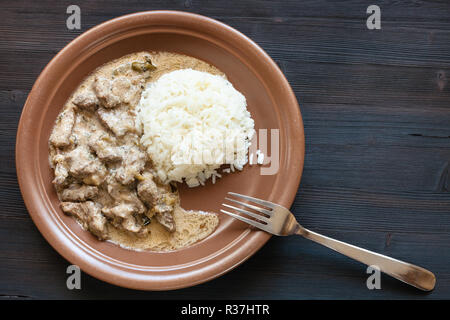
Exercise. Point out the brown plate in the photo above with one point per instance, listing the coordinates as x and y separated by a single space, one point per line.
270 100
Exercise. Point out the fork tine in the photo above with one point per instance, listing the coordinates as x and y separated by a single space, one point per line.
249 221
267 212
251 214
259 201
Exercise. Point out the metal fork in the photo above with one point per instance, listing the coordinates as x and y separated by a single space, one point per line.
279 221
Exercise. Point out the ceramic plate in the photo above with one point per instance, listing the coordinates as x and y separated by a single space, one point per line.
270 101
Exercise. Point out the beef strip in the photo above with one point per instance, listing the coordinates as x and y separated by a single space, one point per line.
126 207
79 192
61 170
89 215
160 198
122 210
82 162
133 163
119 121
122 194
164 215
103 144
63 128
130 224
123 216
148 190
86 99
115 92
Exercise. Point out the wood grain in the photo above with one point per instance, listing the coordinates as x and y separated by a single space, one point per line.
375 106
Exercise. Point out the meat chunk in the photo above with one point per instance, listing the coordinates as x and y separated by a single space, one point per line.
124 216
86 99
61 174
124 195
78 192
89 215
126 209
122 210
82 162
120 120
148 191
154 193
61 170
115 92
103 90
130 224
103 145
95 179
160 198
133 162
63 128
164 215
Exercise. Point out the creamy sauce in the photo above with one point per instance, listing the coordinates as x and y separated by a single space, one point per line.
192 226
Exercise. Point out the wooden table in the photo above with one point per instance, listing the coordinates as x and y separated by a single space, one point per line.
376 110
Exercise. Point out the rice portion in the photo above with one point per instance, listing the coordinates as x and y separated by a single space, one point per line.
193 122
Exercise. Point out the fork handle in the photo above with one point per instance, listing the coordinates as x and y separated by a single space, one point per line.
403 271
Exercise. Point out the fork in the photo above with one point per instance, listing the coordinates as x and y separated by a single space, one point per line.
279 221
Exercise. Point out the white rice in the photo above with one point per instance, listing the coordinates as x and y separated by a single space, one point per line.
193 122
260 157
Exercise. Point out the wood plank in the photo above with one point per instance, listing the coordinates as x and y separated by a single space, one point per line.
287 268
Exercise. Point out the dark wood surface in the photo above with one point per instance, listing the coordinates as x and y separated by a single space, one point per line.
376 110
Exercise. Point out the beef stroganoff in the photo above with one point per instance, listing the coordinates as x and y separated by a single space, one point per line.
104 176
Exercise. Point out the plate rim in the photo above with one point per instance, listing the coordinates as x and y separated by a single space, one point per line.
58 238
